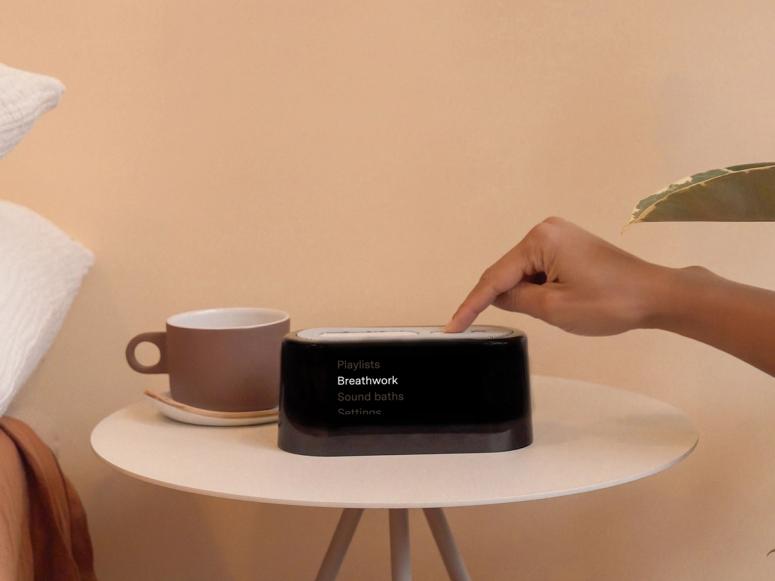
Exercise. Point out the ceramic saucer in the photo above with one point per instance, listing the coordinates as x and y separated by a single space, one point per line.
192 415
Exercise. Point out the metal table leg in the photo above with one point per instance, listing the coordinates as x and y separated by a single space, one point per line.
446 544
400 559
343 534
400 554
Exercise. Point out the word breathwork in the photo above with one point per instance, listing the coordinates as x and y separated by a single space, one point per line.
366 380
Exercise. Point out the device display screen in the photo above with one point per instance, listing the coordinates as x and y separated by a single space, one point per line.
419 385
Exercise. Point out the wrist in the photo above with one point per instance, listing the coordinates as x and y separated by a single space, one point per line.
676 295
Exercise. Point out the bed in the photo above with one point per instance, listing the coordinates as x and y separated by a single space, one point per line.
43 530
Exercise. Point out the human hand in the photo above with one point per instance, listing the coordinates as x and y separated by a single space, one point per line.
562 274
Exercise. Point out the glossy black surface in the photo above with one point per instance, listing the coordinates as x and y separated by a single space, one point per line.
414 396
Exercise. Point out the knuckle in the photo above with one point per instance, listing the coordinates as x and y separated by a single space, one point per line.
548 231
543 232
553 220
488 276
492 281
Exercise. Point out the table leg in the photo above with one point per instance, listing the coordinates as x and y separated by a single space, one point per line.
442 534
400 561
343 534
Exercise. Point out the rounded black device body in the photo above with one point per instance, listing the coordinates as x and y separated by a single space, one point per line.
404 390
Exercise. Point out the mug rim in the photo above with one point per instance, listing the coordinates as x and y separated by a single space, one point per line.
173 320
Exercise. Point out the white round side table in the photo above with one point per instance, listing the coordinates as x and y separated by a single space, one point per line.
586 437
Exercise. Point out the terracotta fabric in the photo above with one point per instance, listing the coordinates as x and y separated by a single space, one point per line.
15 545
49 541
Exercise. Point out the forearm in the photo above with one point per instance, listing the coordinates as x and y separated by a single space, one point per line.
733 317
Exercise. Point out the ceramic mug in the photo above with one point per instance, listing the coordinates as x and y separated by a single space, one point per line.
219 359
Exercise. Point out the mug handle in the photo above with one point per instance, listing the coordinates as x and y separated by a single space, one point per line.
158 339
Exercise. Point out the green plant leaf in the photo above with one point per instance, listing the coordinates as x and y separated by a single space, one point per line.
739 193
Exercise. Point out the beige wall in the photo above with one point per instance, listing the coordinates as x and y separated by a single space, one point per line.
359 164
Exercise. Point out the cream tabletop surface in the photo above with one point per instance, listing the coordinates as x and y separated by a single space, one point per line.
586 437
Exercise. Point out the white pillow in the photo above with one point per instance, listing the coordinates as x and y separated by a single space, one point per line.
41 269
23 98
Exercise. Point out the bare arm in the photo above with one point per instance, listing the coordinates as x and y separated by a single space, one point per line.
733 317
594 288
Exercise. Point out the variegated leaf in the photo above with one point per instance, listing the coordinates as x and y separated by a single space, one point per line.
739 193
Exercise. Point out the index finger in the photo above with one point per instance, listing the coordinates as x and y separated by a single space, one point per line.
503 275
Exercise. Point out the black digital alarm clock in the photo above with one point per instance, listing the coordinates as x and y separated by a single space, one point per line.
404 390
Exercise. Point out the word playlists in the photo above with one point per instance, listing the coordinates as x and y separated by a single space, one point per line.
357 365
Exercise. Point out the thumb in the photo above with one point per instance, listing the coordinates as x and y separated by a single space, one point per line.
528 298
